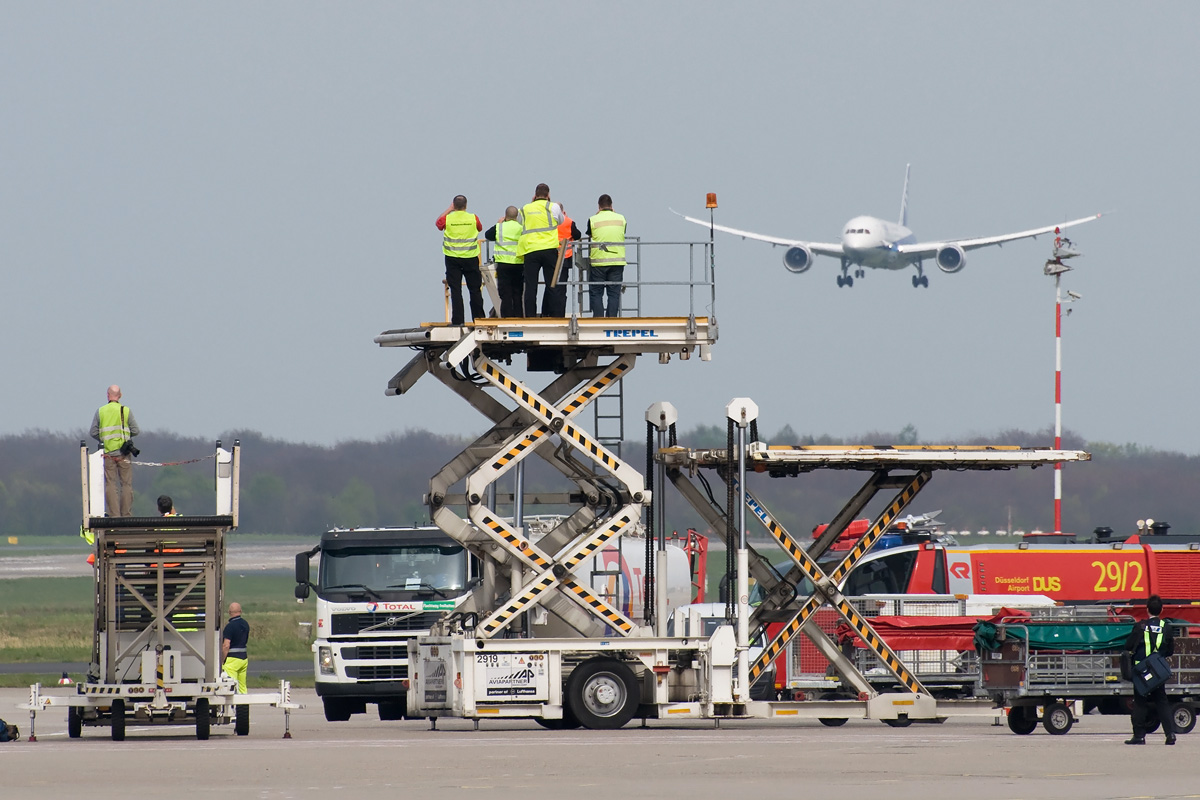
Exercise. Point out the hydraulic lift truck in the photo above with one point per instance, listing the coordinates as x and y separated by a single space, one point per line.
159 601
902 469
488 661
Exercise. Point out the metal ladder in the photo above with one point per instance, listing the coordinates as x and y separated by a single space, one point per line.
608 410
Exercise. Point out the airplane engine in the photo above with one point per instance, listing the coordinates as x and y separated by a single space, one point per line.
951 258
797 259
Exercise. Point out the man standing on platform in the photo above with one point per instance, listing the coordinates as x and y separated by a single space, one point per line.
460 246
538 246
510 271
606 229
114 427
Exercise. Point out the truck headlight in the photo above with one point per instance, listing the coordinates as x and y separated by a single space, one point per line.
325 660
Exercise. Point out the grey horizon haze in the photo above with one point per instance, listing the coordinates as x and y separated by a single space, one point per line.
219 205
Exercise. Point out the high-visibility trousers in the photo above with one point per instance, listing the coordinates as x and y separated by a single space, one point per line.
236 668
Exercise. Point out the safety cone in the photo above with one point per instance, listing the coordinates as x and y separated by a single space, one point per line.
65 680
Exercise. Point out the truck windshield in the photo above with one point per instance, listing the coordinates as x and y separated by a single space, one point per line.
424 569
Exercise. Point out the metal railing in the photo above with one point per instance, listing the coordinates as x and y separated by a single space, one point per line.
674 265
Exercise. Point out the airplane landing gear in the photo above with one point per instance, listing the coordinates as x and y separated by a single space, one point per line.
845 280
920 280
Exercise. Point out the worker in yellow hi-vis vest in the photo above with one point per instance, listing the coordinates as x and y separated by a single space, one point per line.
510 267
114 427
538 245
606 229
460 245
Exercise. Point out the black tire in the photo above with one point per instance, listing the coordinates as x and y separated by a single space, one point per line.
203 719
563 724
241 722
392 710
603 694
74 722
337 710
1057 719
1184 717
1022 720
1153 725
832 722
902 722
117 709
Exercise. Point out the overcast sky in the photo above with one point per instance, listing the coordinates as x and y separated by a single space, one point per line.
219 205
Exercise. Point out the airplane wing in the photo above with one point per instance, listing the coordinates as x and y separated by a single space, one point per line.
823 248
930 248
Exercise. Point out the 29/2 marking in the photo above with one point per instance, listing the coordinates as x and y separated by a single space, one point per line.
1115 576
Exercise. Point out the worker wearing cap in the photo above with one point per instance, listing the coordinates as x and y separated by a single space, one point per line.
460 245
606 229
1152 635
510 269
234 655
538 246
114 427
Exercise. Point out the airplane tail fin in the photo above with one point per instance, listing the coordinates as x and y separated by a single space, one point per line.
904 198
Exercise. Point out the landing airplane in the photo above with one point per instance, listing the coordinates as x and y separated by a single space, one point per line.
879 244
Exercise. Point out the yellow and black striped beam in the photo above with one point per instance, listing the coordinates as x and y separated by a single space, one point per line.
789 631
517 390
889 514
521 548
885 653
520 448
591 448
526 598
615 370
571 434
600 608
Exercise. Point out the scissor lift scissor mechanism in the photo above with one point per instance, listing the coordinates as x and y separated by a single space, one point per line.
906 470
592 354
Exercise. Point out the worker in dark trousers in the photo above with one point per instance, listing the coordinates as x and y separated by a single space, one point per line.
1151 635
568 233
460 245
510 267
538 248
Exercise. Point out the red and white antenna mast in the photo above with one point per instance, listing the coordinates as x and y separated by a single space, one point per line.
1063 248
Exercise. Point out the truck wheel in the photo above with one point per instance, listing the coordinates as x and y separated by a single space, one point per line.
1184 717
603 694
832 722
568 722
1056 719
392 711
241 723
337 710
74 722
203 719
900 722
1022 720
117 709
1153 725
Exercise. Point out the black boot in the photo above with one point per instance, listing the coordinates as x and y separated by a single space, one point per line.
1170 738
1136 740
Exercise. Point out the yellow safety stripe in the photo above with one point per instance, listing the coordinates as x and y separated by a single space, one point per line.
775 647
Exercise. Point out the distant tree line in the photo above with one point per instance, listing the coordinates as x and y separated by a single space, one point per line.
305 489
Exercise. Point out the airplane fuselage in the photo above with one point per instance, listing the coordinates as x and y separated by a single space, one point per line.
873 242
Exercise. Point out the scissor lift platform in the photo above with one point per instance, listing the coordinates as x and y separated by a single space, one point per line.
156 640
916 465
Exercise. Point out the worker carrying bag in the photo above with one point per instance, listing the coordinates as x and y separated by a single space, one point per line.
8 733
1150 673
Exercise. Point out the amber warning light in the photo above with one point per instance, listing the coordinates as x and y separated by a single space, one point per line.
711 200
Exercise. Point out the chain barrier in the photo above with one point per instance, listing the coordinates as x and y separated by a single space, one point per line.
172 463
